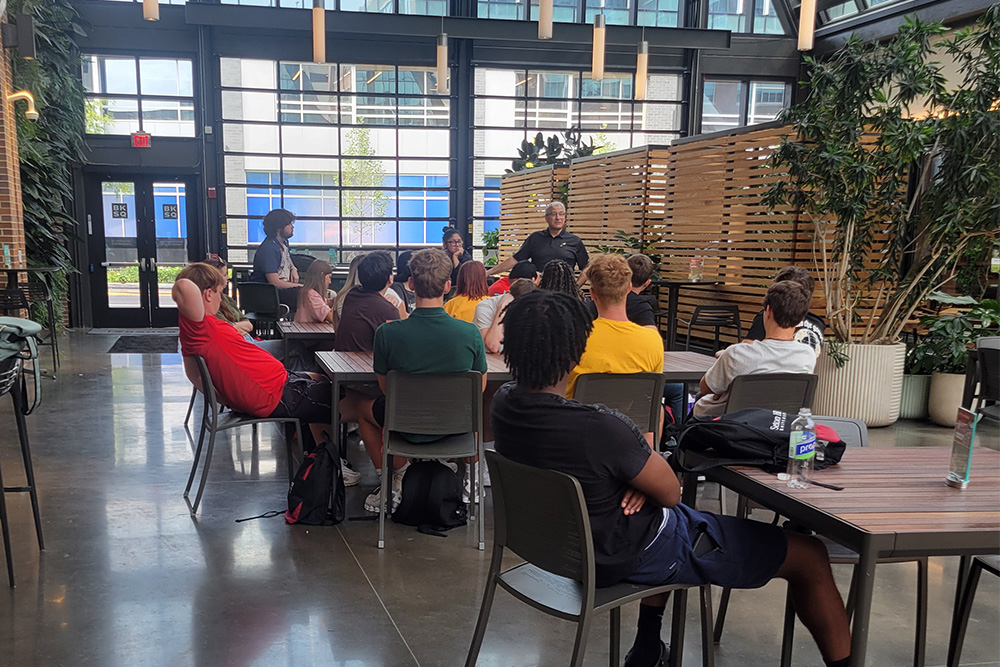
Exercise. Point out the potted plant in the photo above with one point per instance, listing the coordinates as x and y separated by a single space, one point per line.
916 384
491 247
896 203
944 351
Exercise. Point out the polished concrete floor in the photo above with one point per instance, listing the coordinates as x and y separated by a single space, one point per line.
130 578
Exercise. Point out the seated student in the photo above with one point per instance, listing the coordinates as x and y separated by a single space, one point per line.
272 262
493 333
557 276
638 310
246 378
429 341
810 330
641 533
615 344
349 283
365 307
785 305
523 269
470 291
314 302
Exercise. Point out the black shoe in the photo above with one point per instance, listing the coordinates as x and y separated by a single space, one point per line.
661 662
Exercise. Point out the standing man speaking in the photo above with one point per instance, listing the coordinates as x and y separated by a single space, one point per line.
553 242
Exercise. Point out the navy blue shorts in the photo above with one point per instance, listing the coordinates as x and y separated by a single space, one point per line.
746 554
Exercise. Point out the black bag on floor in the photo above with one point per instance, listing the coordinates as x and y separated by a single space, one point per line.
754 437
316 495
432 498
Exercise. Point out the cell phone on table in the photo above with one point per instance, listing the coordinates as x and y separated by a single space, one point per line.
704 544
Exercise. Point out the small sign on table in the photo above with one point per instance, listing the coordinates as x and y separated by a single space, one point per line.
961 449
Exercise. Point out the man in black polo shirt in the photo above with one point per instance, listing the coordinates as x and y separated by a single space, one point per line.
553 242
641 532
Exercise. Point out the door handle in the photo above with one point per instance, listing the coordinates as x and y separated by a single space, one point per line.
152 264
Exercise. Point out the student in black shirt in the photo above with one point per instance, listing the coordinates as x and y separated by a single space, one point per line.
641 532
637 308
553 242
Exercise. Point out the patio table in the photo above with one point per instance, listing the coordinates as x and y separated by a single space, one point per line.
894 504
673 294
305 331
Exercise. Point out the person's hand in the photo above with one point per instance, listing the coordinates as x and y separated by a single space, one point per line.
632 501
456 252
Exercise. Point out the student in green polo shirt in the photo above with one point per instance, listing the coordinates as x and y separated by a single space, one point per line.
429 341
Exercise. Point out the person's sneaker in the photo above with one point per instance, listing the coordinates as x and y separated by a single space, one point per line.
351 476
372 501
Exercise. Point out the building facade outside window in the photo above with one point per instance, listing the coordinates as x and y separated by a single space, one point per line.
125 94
731 103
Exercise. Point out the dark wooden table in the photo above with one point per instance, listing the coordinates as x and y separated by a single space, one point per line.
343 367
305 331
894 504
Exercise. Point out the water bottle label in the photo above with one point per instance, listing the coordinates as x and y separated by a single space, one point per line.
803 445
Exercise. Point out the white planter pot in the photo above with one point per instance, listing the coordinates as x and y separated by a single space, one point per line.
913 402
868 387
945 397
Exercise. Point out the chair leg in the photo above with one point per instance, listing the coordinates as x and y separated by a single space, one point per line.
187 417
920 635
53 338
580 645
484 614
720 619
204 471
788 631
961 621
6 534
386 485
707 645
29 470
615 636
480 489
197 454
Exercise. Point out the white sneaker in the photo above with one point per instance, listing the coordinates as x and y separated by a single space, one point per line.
372 502
351 476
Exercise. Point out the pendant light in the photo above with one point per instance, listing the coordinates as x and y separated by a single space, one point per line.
597 64
641 70
807 24
319 32
442 64
545 19
151 10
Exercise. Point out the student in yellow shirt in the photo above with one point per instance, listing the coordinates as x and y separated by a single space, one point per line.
471 289
616 345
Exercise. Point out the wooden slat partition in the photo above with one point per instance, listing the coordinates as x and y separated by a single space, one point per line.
698 198
523 198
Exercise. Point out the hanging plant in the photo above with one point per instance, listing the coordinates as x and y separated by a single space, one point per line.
50 146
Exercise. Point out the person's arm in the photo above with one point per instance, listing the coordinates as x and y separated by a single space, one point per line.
658 482
278 282
582 280
381 382
243 326
494 335
582 258
189 300
293 275
503 266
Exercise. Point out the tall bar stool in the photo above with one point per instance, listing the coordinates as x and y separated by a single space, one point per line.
715 317
17 344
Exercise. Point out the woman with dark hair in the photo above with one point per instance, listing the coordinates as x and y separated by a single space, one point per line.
314 299
454 247
471 289
558 277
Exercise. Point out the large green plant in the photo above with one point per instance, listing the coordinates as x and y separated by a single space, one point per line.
921 196
945 348
50 146
555 151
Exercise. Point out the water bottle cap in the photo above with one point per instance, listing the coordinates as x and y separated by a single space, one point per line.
805 411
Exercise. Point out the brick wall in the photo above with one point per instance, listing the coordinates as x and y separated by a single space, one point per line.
11 213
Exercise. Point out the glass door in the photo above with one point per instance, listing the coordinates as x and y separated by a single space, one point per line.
139 234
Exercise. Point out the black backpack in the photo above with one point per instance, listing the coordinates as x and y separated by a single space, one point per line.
755 437
316 495
432 498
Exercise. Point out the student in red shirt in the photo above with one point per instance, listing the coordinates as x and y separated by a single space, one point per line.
523 269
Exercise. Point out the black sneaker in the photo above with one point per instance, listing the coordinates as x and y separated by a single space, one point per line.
661 662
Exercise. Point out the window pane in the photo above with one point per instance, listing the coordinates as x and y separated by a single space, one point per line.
308 108
246 73
616 12
765 18
111 116
564 11
105 74
722 105
727 15
376 6
308 77
367 110
501 9
239 138
766 101
249 105
424 7
297 140
168 118
660 13
363 140
166 77
367 79
427 111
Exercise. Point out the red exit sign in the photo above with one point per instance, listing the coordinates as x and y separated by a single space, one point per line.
140 140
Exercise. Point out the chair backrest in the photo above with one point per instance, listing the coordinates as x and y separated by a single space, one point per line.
541 516
12 299
35 291
638 396
988 349
713 316
207 388
851 431
260 299
430 404
787 392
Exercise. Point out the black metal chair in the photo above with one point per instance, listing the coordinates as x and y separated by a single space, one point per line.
262 306
12 299
426 404
788 392
855 434
639 396
12 382
213 423
988 397
715 317
963 608
541 516
37 292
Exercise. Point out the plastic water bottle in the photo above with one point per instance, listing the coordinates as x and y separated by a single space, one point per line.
801 450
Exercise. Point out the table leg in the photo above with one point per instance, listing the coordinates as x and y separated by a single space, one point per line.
864 583
672 291
335 417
